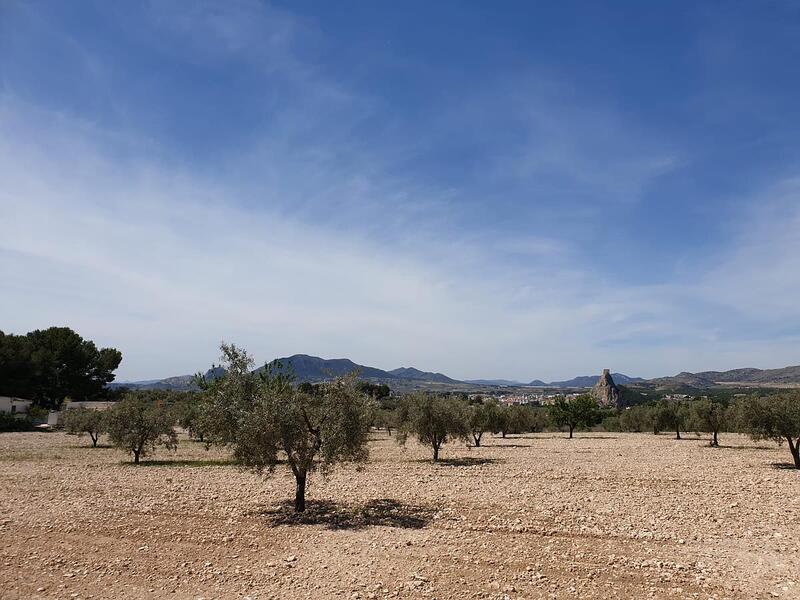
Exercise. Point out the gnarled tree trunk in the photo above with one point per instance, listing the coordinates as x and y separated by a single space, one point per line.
715 441
794 448
300 491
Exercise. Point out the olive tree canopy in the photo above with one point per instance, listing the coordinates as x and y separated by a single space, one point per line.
263 417
775 417
433 420
140 422
710 416
79 421
579 411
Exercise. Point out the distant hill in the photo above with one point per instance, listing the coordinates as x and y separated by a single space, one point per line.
307 368
314 369
747 376
503 382
180 383
586 381
417 375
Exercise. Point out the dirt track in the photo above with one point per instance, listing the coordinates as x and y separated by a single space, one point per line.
611 515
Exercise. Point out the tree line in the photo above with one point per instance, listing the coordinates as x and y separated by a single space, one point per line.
49 365
267 421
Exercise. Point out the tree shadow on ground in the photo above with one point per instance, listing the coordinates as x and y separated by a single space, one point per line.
465 461
202 462
90 447
507 445
577 436
724 447
383 512
784 466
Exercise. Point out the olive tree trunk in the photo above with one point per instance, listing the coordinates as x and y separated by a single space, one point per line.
794 448
300 491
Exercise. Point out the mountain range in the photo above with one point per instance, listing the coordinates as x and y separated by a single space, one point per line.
745 377
314 369
311 369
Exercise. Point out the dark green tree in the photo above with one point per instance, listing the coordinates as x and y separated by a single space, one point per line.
377 391
581 411
51 364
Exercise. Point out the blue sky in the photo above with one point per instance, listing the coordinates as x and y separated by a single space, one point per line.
526 190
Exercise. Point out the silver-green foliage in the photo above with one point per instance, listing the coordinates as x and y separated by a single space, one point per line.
710 416
775 417
264 418
141 421
581 411
433 420
81 420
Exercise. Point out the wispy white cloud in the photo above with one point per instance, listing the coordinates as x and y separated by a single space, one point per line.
312 238
164 264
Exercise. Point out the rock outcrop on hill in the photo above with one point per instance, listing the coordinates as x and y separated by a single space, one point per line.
605 390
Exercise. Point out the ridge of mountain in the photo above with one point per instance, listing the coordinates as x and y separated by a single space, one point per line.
587 381
499 382
315 369
708 379
417 375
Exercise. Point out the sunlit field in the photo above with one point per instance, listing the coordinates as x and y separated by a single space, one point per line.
534 516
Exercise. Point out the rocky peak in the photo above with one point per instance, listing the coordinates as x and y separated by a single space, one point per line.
605 390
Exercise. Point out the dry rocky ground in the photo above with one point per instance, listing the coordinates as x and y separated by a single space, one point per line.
540 516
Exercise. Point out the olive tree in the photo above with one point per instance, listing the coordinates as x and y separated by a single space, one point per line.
140 422
672 415
385 418
263 417
709 416
576 412
636 418
481 418
774 417
188 415
433 420
519 418
539 419
82 420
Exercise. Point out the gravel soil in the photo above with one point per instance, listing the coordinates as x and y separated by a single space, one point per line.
537 516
